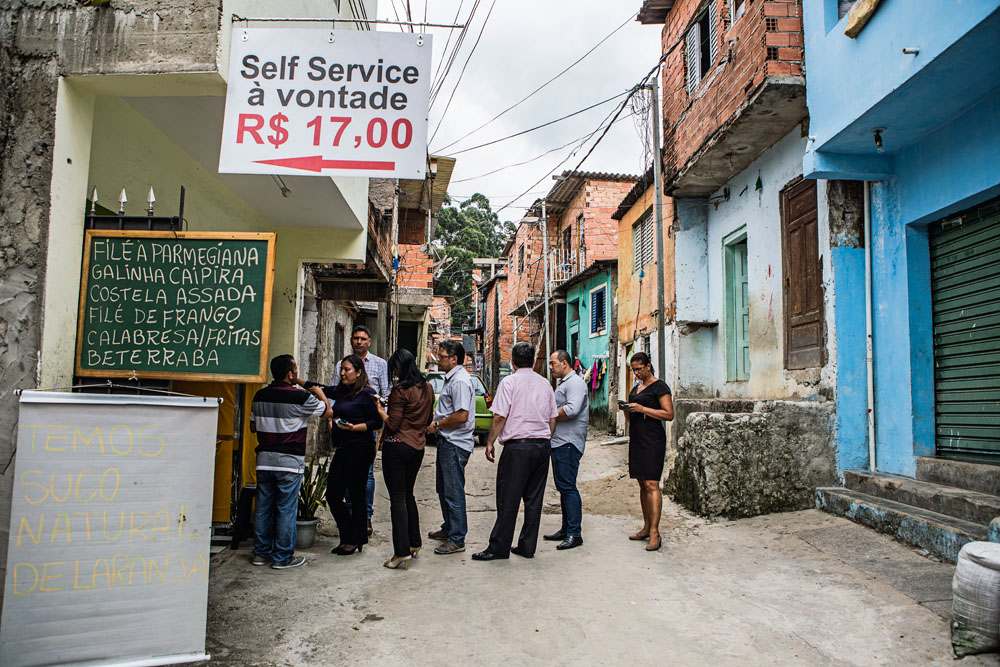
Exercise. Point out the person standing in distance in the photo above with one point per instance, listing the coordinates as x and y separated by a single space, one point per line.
378 377
279 415
649 405
568 442
454 423
524 416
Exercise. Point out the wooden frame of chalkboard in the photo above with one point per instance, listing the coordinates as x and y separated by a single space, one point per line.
153 282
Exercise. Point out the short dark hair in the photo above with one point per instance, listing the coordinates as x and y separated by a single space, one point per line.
563 355
522 355
455 349
642 358
363 329
281 365
403 367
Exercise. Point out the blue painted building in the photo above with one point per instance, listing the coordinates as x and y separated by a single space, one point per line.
911 108
591 332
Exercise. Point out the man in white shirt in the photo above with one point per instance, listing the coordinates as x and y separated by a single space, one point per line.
568 442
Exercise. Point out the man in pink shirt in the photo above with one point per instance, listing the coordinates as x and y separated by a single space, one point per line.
524 416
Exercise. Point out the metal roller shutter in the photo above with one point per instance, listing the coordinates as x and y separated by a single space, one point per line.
965 291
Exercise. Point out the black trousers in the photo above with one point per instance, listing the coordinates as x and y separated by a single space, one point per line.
349 471
521 475
400 465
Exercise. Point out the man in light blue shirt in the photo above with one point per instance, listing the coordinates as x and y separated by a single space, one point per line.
568 442
454 423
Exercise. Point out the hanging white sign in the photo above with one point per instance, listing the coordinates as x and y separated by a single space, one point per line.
327 103
107 560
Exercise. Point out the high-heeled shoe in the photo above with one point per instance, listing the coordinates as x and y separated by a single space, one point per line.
414 551
342 550
655 547
398 561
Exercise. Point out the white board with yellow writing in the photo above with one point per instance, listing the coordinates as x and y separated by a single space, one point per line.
110 526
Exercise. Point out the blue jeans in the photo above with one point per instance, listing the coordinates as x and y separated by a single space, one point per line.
274 530
565 465
450 484
369 493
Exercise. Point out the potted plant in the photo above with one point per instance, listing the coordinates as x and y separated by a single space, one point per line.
312 496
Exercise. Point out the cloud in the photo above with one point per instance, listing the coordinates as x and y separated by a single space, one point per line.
524 44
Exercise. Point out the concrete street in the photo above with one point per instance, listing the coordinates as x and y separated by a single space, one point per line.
804 588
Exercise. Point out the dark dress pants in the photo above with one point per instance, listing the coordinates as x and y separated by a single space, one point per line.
521 474
400 465
349 471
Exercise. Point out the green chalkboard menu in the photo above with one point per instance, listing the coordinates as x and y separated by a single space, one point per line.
175 305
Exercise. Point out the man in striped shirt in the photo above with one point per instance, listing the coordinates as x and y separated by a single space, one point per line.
279 416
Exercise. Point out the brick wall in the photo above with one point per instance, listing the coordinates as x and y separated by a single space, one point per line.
596 201
415 267
412 226
766 41
527 284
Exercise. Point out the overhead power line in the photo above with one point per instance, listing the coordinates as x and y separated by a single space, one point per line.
521 164
529 95
538 127
462 73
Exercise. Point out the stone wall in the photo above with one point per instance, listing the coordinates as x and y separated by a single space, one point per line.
741 464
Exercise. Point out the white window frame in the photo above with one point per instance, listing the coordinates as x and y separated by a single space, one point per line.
692 47
643 241
736 12
590 301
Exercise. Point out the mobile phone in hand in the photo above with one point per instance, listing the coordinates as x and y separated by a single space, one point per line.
342 422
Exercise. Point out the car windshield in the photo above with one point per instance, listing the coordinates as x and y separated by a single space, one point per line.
437 382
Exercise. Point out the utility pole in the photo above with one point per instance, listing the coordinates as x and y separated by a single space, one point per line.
658 209
545 287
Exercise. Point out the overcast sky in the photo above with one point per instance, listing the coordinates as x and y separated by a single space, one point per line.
525 43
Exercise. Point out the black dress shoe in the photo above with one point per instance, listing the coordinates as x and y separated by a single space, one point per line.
520 552
557 536
570 543
486 554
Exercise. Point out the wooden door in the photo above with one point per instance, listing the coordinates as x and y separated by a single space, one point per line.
803 276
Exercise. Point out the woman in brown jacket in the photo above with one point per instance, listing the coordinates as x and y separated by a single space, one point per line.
409 411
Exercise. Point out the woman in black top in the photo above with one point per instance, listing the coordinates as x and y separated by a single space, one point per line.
355 420
649 406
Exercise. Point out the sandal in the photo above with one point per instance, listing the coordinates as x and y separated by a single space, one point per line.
638 537
654 547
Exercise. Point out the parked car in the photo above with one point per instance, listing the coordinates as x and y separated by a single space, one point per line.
483 402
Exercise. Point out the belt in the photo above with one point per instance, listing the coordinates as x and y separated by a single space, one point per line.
527 441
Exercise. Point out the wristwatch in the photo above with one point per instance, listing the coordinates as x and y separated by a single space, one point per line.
437 425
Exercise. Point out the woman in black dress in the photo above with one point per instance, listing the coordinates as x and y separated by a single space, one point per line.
649 405
355 420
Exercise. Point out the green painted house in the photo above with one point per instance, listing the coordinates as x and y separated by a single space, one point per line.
590 333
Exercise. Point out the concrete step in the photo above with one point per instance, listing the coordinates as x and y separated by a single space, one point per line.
959 503
981 477
941 535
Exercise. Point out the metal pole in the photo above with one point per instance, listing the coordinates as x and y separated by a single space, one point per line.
658 209
545 287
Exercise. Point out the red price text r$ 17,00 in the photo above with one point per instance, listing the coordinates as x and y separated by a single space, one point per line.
275 131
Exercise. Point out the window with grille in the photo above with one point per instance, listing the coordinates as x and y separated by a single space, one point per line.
520 258
598 310
643 241
701 47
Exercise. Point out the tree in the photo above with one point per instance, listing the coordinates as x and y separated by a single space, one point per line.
470 230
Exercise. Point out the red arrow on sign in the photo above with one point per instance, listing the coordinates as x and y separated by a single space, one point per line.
316 163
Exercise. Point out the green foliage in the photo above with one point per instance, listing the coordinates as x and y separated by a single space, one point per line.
467 231
312 493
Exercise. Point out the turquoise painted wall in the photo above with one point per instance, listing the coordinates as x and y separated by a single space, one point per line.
592 348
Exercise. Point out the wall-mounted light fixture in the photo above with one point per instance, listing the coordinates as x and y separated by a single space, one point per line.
877 136
285 191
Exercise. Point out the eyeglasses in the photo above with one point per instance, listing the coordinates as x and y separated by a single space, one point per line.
638 369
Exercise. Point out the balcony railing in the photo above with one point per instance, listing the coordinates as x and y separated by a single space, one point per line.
564 264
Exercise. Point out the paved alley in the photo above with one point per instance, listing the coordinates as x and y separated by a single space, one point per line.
803 588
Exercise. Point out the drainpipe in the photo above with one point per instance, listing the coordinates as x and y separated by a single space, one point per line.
869 357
